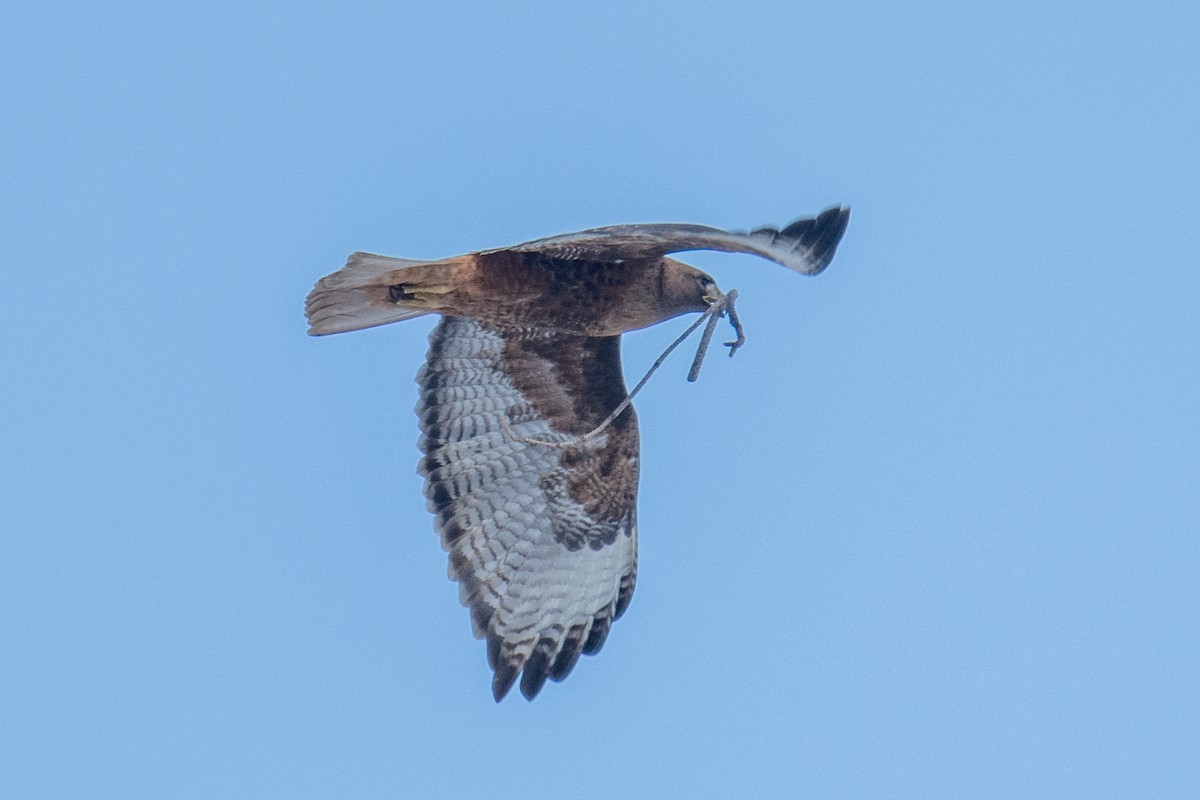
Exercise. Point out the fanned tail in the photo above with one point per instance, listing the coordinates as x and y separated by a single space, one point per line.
373 290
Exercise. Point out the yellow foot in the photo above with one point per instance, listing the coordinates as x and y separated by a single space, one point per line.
418 296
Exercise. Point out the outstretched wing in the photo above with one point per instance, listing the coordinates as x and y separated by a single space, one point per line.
806 245
542 539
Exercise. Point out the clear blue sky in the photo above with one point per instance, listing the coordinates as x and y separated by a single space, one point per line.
933 533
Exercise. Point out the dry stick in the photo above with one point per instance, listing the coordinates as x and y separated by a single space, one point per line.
715 311
723 305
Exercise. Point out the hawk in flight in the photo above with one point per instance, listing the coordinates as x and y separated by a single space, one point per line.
540 519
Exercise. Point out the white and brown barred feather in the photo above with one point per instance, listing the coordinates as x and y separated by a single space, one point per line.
543 540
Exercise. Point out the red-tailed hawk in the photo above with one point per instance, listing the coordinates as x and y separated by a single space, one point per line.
541 525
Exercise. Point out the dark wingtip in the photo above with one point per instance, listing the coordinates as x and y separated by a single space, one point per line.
820 235
533 677
503 681
505 672
596 637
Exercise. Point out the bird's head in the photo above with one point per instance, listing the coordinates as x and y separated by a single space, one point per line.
674 288
685 288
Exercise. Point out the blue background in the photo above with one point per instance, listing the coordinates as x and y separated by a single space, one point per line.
933 532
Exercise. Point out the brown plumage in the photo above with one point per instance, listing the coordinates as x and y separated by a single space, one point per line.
542 538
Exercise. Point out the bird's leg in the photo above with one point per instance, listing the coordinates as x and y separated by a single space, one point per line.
416 295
